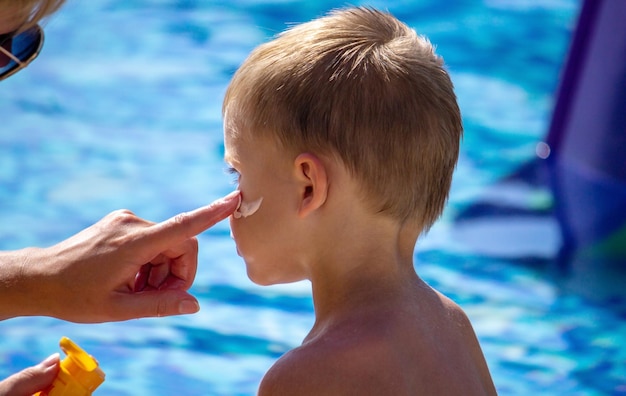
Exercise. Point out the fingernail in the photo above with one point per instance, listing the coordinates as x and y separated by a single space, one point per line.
231 195
50 360
188 307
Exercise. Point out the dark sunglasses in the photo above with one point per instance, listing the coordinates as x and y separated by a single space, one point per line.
18 50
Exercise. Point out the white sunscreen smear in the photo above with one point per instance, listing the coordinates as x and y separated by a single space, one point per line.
246 209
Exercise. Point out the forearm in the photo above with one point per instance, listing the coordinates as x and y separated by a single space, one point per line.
22 288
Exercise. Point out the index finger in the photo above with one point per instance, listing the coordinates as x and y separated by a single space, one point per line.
189 224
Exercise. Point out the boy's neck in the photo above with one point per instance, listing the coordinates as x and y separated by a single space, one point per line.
372 268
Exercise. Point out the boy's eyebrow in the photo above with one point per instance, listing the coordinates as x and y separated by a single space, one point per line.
229 159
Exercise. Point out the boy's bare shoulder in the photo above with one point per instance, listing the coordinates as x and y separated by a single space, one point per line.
332 366
400 352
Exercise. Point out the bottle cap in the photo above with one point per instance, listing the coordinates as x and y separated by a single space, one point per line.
81 366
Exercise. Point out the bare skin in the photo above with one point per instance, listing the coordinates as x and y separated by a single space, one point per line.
389 347
32 379
382 332
121 268
379 329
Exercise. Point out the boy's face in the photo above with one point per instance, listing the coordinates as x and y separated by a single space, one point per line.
268 240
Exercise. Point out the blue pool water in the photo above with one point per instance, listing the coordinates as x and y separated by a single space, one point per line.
122 110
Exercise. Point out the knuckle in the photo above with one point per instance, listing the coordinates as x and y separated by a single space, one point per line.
181 219
119 228
122 216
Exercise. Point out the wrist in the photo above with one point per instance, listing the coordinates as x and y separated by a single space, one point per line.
23 284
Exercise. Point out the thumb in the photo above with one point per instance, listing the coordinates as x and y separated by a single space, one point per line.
32 379
157 303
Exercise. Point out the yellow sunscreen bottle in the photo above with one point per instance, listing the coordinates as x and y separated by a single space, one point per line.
79 374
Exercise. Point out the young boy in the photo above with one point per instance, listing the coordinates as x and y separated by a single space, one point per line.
344 133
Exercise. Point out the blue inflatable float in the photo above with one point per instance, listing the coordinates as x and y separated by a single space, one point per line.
587 151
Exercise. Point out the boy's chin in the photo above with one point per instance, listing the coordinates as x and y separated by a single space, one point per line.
261 280
266 279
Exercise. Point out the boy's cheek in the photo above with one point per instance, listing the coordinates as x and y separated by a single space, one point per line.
233 227
238 229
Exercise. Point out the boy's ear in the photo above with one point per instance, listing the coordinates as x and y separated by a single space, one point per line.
313 178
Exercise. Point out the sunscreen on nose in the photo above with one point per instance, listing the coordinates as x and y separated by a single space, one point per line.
79 374
246 209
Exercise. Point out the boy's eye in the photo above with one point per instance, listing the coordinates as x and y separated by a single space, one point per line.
235 174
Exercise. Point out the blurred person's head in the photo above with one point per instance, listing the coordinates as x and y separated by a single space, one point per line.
20 36
20 15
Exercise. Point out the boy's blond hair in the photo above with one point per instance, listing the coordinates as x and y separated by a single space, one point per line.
31 12
360 85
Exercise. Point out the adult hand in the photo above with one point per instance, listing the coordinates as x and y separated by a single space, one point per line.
120 268
32 379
